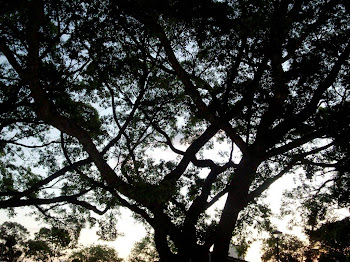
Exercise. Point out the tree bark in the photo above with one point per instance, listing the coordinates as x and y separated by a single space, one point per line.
237 200
160 239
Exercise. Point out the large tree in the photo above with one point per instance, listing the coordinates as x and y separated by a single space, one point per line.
90 88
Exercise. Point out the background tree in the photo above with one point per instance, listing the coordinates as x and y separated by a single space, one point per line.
95 253
50 243
291 249
82 110
331 240
325 195
38 250
144 250
12 237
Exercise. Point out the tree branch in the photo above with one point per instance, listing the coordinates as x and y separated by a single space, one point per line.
189 156
192 91
11 58
28 146
295 120
269 181
46 110
73 199
293 144
38 185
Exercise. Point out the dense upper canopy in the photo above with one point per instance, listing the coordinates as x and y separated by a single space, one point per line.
92 91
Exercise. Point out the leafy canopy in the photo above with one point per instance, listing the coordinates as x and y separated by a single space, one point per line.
123 103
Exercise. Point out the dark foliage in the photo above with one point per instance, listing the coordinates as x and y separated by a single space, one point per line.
89 89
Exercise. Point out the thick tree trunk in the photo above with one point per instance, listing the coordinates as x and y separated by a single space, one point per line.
226 226
188 249
195 254
162 246
235 203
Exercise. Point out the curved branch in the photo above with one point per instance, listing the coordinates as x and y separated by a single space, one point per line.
269 181
11 58
216 197
296 158
200 204
163 133
46 111
295 120
27 146
192 91
73 199
293 144
189 155
73 166
324 165
135 105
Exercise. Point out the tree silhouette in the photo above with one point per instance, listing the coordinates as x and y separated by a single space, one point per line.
12 237
90 88
49 243
332 240
95 253
144 250
38 250
291 249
